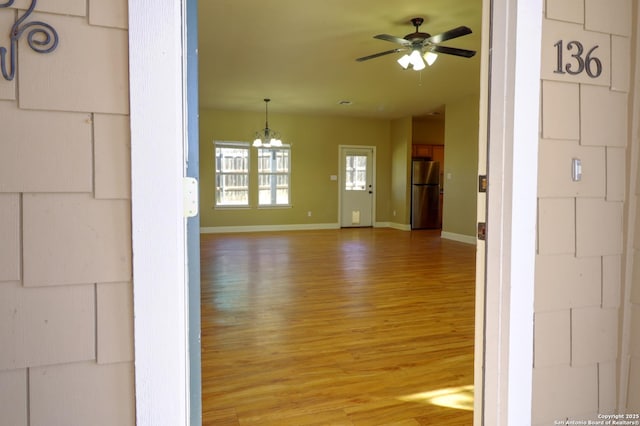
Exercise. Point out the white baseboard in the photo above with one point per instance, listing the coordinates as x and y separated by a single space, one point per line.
394 225
295 227
264 228
458 237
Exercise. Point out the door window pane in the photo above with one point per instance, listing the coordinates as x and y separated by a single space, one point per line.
356 173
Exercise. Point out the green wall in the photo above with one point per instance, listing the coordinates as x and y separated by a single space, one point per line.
314 158
461 167
401 130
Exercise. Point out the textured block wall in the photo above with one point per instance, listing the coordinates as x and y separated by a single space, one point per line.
66 310
581 223
632 402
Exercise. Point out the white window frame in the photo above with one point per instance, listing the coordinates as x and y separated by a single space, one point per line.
274 202
247 173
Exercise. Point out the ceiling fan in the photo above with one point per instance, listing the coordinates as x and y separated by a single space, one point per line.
422 46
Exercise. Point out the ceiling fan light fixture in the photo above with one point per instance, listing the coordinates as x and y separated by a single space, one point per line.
404 61
418 42
419 66
430 58
416 60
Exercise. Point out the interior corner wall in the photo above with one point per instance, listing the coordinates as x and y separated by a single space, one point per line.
401 131
461 167
66 301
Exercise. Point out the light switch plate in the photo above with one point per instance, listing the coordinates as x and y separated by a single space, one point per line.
576 169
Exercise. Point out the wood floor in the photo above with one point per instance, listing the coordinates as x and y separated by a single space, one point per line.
336 327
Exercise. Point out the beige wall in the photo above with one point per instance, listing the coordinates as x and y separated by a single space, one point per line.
65 237
314 154
581 228
632 305
630 339
314 158
401 130
461 167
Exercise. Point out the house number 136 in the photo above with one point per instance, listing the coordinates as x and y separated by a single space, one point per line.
588 62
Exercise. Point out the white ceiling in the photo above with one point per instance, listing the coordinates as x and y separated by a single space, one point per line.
301 54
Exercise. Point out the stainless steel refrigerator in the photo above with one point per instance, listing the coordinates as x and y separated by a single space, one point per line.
425 194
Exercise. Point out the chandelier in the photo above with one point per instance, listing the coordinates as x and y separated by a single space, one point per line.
266 137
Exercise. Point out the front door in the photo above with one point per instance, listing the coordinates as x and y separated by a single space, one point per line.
357 189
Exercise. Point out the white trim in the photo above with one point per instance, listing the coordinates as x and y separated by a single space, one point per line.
629 258
481 216
526 125
158 227
293 227
458 237
374 160
267 228
239 144
394 225
511 210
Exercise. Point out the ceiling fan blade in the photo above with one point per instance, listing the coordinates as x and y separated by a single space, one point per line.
392 39
452 51
448 35
376 55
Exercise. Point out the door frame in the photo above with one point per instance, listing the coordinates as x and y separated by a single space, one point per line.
341 149
512 107
158 231
158 144
192 160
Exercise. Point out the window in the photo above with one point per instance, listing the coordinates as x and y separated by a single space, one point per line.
232 174
236 180
273 176
356 173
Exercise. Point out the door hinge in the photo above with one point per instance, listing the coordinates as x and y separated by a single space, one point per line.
482 231
190 196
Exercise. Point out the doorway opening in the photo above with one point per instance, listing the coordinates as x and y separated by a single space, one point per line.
357 192
359 214
157 207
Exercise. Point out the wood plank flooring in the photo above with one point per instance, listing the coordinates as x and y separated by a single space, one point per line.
336 327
